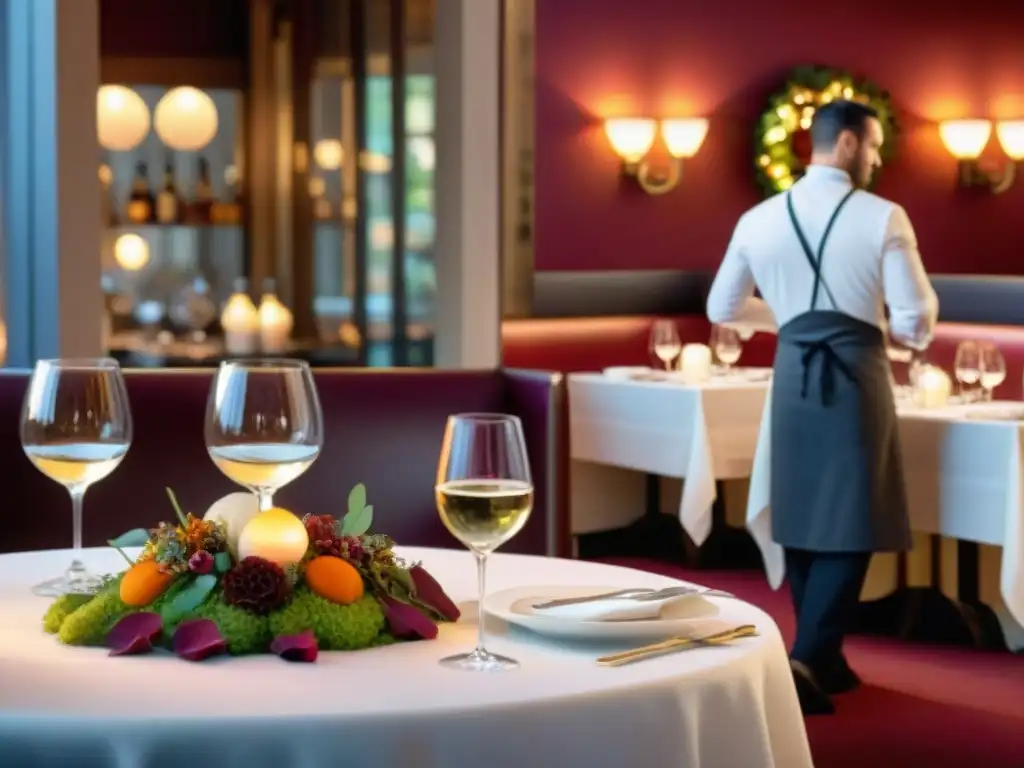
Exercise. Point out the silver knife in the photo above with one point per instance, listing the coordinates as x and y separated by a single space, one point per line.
621 593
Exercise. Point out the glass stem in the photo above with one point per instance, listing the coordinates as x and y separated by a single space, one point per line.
266 499
77 495
481 577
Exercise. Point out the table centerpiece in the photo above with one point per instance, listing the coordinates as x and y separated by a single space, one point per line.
243 581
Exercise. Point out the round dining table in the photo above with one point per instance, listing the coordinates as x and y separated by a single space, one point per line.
727 706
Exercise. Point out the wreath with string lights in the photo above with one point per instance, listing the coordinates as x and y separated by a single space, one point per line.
782 144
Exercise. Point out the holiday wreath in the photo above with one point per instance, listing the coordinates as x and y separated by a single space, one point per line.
199 587
782 147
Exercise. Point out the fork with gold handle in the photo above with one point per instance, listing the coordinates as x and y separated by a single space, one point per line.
676 644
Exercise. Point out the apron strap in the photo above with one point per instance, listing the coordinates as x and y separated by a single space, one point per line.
815 263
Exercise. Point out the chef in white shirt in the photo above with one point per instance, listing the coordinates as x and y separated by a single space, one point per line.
828 257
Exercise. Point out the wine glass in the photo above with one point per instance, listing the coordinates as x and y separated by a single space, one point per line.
665 342
264 426
967 366
727 346
992 368
484 495
76 427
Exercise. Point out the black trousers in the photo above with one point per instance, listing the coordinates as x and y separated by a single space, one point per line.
826 589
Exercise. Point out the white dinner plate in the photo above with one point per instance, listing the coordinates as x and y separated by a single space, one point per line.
691 615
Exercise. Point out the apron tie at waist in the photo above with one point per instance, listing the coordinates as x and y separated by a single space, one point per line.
830 361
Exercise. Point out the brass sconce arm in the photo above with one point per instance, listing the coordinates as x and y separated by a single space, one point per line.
632 139
966 140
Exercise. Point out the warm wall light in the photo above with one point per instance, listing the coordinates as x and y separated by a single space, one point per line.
1011 138
122 118
967 139
632 138
186 119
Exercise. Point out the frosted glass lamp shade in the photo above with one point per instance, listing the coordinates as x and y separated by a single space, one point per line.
186 119
131 252
122 118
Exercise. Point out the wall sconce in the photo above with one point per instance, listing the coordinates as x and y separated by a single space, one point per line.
967 139
632 138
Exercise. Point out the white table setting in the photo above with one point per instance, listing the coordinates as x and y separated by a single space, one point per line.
707 707
698 425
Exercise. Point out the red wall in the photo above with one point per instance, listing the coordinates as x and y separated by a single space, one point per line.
722 59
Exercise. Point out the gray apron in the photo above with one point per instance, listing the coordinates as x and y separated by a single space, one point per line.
836 468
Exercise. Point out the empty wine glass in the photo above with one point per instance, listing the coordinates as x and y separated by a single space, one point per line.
967 366
665 342
484 496
727 346
76 427
264 426
993 369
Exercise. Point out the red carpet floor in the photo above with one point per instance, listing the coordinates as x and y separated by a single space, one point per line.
920 706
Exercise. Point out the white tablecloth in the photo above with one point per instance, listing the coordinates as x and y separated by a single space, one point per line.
963 479
724 707
695 433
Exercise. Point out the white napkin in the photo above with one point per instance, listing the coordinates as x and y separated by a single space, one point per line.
611 609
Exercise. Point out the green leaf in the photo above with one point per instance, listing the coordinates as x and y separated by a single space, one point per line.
357 523
190 598
137 537
357 499
222 562
177 507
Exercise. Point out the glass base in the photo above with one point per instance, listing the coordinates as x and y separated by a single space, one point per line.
479 661
77 580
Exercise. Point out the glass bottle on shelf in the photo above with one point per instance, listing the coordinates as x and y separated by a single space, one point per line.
140 207
229 211
168 202
202 201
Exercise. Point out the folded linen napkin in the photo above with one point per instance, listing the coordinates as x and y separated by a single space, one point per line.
613 608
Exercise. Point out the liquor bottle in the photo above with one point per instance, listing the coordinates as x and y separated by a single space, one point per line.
140 202
202 200
168 202
229 211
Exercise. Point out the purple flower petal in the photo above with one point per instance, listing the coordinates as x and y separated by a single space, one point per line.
405 620
135 633
429 591
198 639
300 647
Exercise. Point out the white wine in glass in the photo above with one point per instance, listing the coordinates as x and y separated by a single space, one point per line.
264 426
484 496
76 427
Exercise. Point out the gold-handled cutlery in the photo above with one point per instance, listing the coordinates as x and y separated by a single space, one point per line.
677 644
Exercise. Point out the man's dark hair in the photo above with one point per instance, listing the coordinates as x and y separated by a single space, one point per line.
835 117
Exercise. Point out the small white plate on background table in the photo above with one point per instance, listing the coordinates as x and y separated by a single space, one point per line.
690 615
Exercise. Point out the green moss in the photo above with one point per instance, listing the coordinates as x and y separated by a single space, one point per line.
90 624
245 631
337 627
61 608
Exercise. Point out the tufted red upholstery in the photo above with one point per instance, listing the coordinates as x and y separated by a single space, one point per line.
594 343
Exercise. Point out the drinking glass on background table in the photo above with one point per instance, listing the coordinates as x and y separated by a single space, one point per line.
665 342
993 369
264 426
967 366
76 427
484 496
727 346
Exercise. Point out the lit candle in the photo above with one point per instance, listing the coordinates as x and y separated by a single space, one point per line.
695 363
240 322
933 387
275 324
275 535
